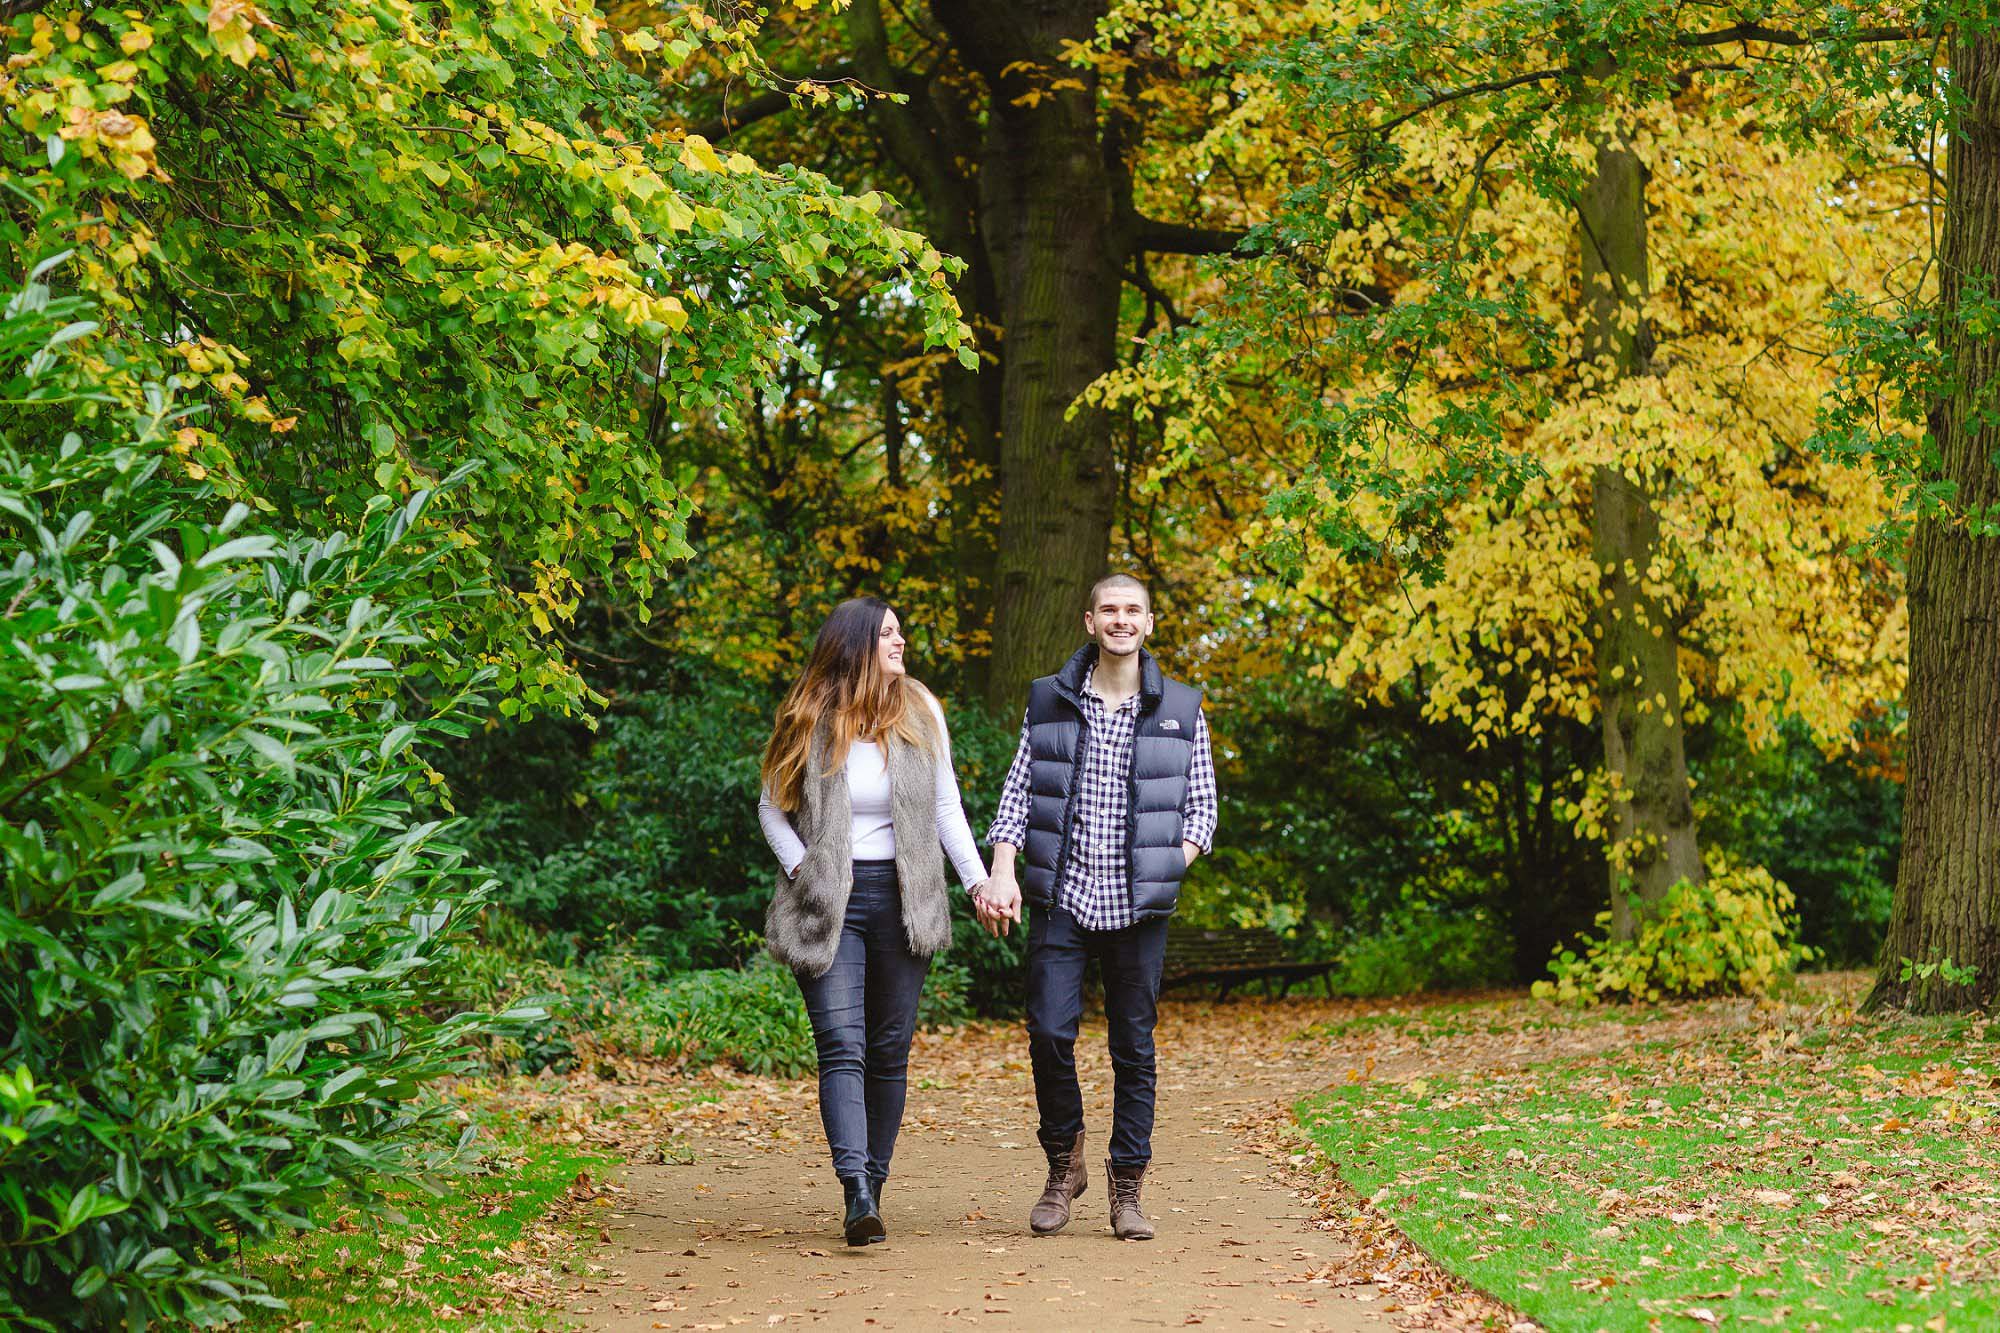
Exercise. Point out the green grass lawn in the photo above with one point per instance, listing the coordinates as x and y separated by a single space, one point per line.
1821 1172
473 1258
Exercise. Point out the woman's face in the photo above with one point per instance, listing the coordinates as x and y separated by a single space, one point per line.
889 646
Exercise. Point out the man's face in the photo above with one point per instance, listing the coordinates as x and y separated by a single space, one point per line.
1120 621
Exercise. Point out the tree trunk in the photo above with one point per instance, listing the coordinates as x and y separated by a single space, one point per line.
1029 202
1652 829
1947 904
1054 243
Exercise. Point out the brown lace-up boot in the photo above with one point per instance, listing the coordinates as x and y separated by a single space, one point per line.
1068 1178
1126 1219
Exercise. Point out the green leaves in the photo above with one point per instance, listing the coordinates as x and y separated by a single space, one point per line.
198 739
499 263
1731 934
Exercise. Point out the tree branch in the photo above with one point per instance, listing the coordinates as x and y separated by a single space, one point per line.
1171 238
902 132
732 119
1142 280
1735 33
765 105
1470 90
1757 32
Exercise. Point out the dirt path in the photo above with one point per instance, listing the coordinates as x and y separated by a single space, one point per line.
739 1225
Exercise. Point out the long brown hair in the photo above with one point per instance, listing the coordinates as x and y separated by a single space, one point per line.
844 685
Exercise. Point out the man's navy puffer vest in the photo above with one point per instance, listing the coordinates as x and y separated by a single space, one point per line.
1162 754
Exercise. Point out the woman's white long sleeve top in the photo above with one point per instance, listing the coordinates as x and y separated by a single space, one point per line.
874 834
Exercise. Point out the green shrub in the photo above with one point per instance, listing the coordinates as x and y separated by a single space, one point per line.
1244 886
497 970
642 835
753 1019
223 921
1426 947
1731 934
1828 827
947 998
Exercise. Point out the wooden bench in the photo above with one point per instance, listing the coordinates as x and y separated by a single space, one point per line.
1228 957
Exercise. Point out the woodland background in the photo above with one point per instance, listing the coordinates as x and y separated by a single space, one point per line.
1557 437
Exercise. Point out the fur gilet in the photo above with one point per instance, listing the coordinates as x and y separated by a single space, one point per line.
802 927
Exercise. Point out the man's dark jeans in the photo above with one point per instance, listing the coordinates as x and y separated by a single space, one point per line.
1130 961
864 1012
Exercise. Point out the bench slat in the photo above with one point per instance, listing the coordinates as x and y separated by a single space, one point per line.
1229 956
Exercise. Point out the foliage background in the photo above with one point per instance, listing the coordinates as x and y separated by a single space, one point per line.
345 349
434 432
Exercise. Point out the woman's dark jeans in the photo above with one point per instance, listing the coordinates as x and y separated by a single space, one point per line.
864 1012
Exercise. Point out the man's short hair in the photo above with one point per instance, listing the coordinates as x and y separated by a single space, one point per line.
1118 581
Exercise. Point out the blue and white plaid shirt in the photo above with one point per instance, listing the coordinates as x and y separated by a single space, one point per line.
1096 883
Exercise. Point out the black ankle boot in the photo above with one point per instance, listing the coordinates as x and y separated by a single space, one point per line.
878 1184
864 1217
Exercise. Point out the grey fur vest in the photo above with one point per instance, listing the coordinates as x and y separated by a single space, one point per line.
802 927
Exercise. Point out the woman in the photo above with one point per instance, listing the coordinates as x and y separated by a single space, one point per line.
859 804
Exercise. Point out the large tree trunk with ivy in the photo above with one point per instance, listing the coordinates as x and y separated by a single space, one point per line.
1049 225
1946 914
1651 819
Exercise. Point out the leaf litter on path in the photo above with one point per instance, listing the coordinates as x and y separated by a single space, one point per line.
703 1138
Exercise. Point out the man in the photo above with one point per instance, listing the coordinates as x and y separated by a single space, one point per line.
1111 796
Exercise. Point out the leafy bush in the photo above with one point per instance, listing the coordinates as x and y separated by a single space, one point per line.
642 835
753 1019
1831 829
1245 886
618 1002
1426 947
946 1001
1731 934
1347 810
222 918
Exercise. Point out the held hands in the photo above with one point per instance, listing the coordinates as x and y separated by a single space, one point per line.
998 902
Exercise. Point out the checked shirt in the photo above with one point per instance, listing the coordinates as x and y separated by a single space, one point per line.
1096 883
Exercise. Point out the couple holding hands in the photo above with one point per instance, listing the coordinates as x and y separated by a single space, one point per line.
1109 799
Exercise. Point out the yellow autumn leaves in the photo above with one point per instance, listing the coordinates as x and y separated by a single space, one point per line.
1758 559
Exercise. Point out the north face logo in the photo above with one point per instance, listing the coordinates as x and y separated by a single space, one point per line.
1171 724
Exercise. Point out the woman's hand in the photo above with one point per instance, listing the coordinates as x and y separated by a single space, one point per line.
998 903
